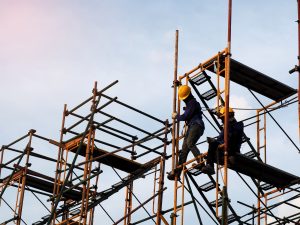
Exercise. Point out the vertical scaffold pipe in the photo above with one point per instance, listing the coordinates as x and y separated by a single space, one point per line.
226 125
23 179
298 3
161 177
258 152
58 169
175 82
175 129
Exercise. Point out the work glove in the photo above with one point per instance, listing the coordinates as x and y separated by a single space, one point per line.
174 115
210 139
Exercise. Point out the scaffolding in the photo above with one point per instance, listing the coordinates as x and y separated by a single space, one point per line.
100 153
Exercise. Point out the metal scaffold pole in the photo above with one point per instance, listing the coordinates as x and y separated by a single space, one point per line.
298 21
21 189
175 83
226 125
175 131
297 67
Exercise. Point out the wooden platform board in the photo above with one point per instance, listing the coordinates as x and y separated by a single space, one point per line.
261 171
112 160
256 81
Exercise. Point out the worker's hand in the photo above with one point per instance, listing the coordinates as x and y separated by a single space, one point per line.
210 140
174 115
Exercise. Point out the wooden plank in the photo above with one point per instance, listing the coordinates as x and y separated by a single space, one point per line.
48 186
112 160
256 81
261 171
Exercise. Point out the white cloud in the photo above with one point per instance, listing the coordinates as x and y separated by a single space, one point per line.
242 107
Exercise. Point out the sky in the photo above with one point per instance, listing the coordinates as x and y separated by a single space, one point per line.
52 52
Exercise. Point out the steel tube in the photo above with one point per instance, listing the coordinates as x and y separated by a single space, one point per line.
14 170
10 161
174 101
89 115
58 167
53 211
14 142
128 124
298 7
145 202
152 150
163 212
105 126
101 142
134 109
162 177
22 192
267 111
122 149
200 66
90 98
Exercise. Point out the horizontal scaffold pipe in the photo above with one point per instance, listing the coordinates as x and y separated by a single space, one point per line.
267 209
152 136
14 142
108 127
10 161
40 156
268 111
57 200
89 115
13 210
153 150
163 212
203 65
90 98
133 193
144 203
136 110
128 124
78 184
14 171
101 142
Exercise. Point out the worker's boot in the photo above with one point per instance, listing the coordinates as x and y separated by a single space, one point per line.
198 165
208 169
171 176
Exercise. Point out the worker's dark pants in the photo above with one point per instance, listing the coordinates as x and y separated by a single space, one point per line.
193 134
212 152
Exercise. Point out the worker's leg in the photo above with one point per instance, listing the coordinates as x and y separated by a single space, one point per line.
212 152
195 132
183 153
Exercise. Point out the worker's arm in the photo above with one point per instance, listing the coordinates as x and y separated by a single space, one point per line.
220 138
189 111
236 137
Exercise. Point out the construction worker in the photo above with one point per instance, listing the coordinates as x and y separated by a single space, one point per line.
193 118
236 131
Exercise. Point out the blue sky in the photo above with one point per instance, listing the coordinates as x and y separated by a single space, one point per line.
53 51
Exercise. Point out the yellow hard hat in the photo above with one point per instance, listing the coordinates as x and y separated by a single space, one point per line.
222 111
184 92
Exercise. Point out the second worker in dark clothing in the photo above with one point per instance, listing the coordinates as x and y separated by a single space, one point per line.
193 118
236 132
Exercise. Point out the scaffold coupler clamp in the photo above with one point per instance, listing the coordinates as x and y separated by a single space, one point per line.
296 68
176 83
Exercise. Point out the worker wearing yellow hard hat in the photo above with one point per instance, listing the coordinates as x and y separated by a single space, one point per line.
221 113
183 92
235 135
193 117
